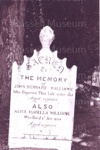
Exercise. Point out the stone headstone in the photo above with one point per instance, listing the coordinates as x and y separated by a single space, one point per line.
42 100
96 79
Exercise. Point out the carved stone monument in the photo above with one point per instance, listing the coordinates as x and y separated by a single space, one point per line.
42 100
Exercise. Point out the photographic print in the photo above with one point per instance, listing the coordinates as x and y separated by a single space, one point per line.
49 75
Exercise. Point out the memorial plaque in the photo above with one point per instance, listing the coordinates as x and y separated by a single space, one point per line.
42 102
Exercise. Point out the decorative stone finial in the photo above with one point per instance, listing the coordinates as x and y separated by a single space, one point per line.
46 37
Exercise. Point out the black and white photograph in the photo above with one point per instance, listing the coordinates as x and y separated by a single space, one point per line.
49 75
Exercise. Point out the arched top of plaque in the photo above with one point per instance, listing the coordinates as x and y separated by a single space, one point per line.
45 57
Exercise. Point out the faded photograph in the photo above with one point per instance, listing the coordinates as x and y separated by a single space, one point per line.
49 75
